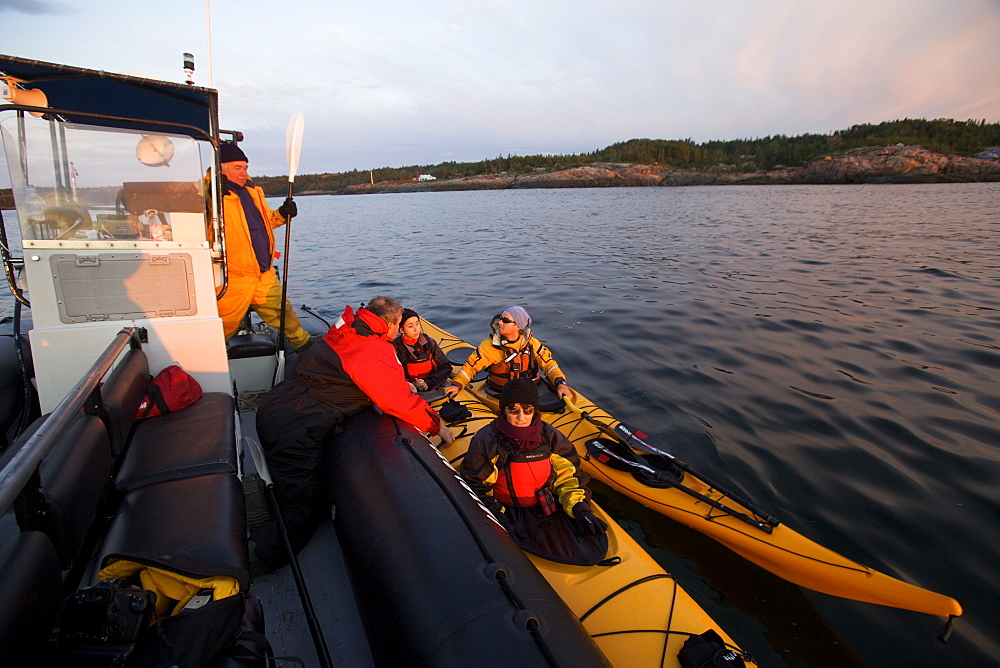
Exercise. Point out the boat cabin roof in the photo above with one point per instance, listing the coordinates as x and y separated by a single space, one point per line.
74 89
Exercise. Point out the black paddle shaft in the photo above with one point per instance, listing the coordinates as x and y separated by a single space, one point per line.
322 651
284 277
766 522
763 526
627 433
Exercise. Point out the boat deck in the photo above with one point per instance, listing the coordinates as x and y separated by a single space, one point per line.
325 574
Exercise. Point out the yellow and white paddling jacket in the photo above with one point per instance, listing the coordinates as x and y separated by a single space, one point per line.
522 358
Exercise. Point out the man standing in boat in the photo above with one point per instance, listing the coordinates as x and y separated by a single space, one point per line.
512 352
351 367
253 281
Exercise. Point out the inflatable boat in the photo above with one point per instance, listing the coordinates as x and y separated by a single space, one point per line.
624 459
123 538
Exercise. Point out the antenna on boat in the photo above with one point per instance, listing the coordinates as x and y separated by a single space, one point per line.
208 37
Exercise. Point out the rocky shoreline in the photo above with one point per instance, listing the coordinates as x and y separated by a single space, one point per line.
882 164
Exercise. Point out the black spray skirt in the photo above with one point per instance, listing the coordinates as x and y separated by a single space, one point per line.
556 537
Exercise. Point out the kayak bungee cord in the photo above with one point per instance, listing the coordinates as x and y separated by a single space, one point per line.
633 436
668 631
595 444
500 575
636 583
766 523
670 615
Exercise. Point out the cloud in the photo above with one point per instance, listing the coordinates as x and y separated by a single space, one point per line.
37 7
417 83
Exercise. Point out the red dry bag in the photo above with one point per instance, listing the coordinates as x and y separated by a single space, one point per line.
171 390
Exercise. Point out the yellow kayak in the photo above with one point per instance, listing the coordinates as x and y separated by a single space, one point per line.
617 455
636 612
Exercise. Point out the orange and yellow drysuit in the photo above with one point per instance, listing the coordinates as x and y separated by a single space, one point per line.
522 358
249 286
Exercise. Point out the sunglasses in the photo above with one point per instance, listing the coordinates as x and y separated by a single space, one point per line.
507 320
514 410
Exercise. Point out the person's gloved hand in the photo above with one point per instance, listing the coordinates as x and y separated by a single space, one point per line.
496 508
289 209
588 521
504 522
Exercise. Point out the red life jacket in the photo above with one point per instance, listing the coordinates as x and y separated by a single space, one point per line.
419 363
518 483
514 365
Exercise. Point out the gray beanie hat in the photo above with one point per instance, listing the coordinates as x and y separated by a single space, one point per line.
520 316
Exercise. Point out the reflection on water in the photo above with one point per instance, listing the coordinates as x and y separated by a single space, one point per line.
830 351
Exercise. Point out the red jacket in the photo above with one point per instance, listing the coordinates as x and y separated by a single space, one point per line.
355 365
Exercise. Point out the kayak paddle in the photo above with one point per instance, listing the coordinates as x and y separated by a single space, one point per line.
293 148
629 437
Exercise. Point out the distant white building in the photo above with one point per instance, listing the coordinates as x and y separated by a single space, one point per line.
426 177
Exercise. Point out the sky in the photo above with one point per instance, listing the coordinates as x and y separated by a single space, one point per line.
397 83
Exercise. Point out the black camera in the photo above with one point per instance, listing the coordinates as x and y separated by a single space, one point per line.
103 622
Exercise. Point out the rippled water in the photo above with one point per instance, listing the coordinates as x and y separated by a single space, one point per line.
832 351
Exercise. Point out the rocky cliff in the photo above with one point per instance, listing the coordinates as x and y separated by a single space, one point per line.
882 164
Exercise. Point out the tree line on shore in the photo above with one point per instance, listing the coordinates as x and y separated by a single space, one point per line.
940 135
946 136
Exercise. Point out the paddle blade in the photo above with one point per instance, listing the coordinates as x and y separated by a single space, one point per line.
293 143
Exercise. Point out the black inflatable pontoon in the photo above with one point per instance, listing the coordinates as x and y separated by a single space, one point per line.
439 582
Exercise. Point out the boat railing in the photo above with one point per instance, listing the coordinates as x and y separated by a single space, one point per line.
86 395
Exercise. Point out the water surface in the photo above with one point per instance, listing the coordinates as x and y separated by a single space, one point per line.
831 351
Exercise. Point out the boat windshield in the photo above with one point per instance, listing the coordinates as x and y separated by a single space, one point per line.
74 182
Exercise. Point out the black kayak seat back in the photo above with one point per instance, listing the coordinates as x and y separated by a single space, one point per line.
458 356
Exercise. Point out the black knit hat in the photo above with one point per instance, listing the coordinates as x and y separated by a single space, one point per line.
229 152
519 391
407 314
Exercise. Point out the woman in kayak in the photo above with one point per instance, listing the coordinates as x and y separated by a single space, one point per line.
425 364
528 474
512 352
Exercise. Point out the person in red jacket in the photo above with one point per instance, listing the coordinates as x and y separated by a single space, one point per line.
351 367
